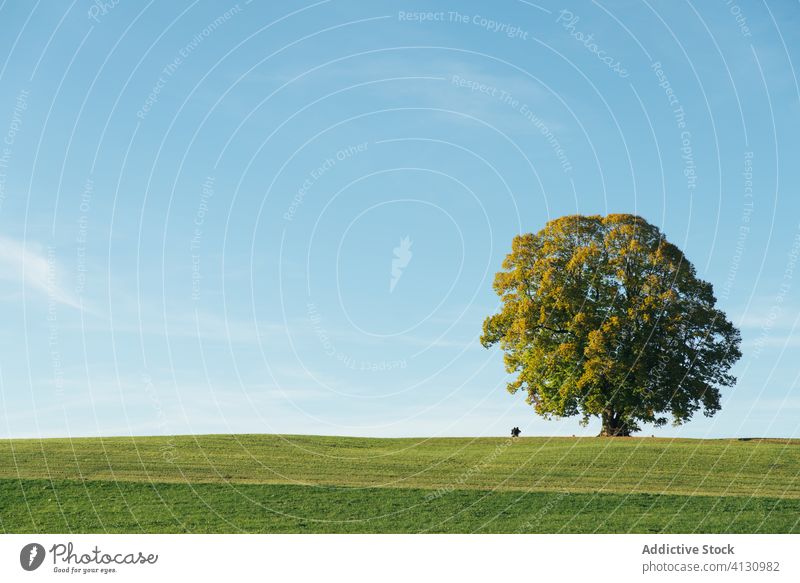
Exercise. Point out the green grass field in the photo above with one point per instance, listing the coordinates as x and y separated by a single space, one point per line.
271 483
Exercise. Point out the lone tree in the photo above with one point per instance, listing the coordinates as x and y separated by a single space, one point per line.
603 316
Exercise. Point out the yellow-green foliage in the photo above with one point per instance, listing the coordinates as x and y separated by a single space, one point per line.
603 316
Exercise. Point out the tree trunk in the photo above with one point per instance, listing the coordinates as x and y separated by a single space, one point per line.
614 425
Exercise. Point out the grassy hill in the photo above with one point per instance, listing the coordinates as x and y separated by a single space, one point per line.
287 483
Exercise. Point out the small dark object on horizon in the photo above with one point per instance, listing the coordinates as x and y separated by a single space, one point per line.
515 432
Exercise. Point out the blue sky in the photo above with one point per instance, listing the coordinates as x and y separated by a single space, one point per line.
286 216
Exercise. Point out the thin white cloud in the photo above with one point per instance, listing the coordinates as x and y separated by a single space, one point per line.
766 313
774 341
434 83
33 270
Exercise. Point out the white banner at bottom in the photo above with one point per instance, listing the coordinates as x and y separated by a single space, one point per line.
389 558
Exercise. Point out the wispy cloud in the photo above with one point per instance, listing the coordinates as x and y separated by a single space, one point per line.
33 269
774 341
454 84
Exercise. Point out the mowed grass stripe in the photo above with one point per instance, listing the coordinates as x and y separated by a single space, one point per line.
71 506
753 468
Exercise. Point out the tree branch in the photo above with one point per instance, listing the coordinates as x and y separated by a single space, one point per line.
554 330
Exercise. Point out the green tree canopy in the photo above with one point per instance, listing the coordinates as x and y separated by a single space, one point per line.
602 316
